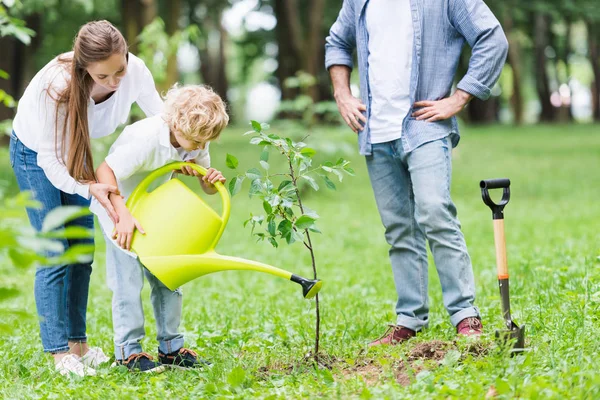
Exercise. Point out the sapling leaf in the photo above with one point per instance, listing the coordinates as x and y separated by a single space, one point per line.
311 181
329 183
256 126
253 173
308 152
265 165
267 207
304 222
231 161
264 156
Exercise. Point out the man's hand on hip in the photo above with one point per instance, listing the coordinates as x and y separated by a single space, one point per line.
432 111
351 110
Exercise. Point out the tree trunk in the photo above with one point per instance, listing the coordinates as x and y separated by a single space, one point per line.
514 59
130 9
542 23
288 57
594 49
148 11
313 52
484 112
172 25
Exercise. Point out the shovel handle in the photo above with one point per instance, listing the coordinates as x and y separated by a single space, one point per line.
502 183
500 242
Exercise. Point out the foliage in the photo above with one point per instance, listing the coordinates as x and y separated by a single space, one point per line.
286 218
279 191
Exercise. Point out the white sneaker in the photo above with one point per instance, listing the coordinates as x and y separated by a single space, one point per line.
94 357
71 364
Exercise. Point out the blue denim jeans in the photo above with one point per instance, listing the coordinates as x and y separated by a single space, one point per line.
412 192
125 277
61 292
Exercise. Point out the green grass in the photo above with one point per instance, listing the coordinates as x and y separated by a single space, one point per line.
256 329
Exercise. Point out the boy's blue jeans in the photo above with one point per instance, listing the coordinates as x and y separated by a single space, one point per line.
125 277
412 192
61 292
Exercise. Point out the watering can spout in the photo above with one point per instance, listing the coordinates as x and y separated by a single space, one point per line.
176 270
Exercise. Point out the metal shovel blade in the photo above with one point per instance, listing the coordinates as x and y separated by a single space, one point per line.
516 336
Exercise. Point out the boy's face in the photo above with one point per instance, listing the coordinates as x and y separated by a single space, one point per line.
187 144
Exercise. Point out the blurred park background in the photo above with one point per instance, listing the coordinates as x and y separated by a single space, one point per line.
266 57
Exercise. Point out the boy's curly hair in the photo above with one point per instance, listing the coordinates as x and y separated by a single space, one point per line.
196 111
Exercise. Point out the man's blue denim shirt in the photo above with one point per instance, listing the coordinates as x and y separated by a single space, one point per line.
441 28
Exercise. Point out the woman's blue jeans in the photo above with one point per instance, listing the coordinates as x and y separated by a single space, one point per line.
61 292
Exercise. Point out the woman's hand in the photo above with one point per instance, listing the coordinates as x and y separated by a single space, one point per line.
101 191
124 230
213 176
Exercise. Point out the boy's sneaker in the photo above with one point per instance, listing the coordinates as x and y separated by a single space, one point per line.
471 326
182 359
94 357
71 364
141 362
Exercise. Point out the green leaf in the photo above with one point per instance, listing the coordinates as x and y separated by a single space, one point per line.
264 156
285 227
237 376
326 168
304 222
4 74
265 165
267 207
308 152
349 171
61 215
231 161
265 126
255 187
273 242
253 173
22 257
311 181
78 254
272 228
235 185
297 236
338 173
283 185
329 183
256 126
274 201
256 140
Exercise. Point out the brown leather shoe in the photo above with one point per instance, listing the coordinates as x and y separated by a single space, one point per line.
471 326
395 334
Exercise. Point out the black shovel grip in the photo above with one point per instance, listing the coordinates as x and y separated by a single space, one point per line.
500 183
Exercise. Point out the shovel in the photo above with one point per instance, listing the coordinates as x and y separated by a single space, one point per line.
514 333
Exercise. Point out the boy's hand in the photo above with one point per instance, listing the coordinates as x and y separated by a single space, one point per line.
187 170
124 230
213 176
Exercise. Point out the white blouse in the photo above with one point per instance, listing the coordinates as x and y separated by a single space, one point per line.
35 122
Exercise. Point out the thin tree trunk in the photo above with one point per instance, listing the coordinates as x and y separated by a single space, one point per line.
129 22
174 12
288 57
542 23
594 49
312 53
148 11
514 59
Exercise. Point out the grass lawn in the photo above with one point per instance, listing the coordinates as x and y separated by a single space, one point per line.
256 328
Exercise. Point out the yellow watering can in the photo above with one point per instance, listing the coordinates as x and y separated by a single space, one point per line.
182 232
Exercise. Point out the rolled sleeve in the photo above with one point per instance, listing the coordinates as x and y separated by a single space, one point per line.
474 87
477 24
341 42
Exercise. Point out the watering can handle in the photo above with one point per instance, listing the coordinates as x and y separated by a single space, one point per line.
142 188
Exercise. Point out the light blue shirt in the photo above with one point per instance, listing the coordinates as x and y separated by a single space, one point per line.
441 28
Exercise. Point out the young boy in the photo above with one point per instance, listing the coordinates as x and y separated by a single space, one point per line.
192 117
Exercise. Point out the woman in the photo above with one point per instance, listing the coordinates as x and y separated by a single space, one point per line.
83 94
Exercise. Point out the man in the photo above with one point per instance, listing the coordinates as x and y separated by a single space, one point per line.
408 51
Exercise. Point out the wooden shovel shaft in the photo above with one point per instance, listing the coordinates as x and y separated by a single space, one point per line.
500 241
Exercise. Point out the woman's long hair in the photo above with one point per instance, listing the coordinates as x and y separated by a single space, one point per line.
96 41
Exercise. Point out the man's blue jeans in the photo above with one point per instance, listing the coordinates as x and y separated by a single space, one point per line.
61 292
125 277
412 192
